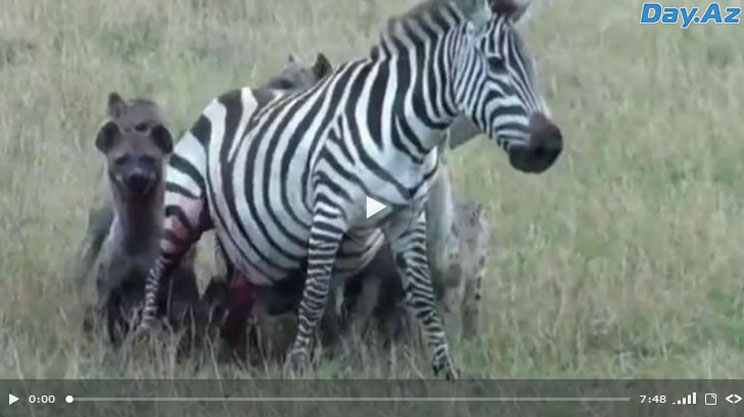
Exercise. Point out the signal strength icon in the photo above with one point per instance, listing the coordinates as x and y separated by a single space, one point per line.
689 399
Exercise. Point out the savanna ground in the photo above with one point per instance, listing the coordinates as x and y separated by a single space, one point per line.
624 260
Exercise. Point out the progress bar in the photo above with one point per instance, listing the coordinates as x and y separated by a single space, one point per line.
70 399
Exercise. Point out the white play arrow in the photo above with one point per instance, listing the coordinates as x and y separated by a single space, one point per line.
374 207
11 399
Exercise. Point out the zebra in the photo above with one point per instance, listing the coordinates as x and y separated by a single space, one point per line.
286 183
457 247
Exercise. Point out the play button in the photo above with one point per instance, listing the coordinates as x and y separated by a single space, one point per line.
374 207
12 399
382 214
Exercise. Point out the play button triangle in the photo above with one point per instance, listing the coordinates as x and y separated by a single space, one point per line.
374 207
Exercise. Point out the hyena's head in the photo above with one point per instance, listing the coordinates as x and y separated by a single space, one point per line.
296 76
135 143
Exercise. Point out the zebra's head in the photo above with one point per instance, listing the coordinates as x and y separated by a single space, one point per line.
496 86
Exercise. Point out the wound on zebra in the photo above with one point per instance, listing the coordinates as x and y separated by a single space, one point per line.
124 229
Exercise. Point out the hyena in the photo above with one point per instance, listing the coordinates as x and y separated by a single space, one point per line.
458 238
124 233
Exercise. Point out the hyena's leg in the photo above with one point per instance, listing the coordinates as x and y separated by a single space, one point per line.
365 301
409 251
99 224
441 231
233 296
374 295
471 302
474 242
240 298
326 233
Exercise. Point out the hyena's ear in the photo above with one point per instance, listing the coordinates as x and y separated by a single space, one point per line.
322 66
116 105
106 136
291 59
162 138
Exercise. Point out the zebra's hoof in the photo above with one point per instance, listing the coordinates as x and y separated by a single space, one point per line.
296 363
446 368
143 328
142 331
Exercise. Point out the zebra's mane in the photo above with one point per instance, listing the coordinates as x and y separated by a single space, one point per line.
395 27
420 10
429 7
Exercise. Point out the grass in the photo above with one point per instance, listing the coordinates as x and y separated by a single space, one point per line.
623 261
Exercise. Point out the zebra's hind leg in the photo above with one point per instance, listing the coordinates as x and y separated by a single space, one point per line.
409 251
326 234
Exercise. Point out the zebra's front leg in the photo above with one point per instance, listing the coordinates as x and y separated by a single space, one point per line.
409 251
326 234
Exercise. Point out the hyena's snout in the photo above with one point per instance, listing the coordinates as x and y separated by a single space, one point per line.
140 181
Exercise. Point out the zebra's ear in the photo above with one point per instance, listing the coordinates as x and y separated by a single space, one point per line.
106 136
162 138
523 12
116 105
515 9
477 11
322 66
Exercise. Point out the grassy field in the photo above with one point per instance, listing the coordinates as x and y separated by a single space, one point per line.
624 260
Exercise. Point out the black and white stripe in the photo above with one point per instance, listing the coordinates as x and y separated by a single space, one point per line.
286 183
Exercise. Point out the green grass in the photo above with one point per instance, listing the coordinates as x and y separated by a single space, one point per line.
624 260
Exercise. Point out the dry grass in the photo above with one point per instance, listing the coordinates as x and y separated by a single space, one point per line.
623 261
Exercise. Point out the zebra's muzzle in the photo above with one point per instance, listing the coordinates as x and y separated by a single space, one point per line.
543 148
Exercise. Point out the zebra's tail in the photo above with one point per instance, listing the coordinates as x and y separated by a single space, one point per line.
186 213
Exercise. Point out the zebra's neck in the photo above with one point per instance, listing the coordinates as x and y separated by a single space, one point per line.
421 48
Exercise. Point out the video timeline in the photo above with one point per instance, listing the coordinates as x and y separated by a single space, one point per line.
615 398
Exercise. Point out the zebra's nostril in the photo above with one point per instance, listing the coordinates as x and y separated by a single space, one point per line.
544 133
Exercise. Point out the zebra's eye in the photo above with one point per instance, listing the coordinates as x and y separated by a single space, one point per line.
496 62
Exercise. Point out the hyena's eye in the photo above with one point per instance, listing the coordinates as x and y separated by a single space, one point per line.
122 160
284 84
141 128
147 160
